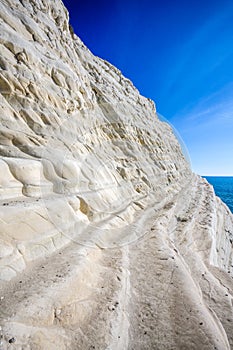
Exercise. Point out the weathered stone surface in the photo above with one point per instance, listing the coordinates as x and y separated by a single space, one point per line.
108 241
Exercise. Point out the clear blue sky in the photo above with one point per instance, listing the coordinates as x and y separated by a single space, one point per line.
180 54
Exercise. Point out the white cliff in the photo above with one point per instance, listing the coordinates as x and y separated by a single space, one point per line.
108 241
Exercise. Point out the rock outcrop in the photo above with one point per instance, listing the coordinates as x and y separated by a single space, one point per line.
108 240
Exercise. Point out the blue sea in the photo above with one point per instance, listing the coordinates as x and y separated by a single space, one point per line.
223 187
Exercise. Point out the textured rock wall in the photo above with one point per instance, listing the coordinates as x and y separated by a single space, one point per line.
108 240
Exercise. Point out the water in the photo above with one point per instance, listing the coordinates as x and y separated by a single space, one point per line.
223 187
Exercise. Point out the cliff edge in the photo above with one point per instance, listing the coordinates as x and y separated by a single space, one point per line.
107 238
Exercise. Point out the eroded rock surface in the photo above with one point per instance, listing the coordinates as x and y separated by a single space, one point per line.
108 241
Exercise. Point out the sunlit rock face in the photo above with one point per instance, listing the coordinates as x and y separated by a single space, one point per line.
108 241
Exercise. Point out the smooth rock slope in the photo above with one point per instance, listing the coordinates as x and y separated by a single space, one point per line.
108 240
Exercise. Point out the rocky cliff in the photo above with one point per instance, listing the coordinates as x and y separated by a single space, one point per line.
108 241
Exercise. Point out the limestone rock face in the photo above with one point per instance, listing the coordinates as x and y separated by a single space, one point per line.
108 240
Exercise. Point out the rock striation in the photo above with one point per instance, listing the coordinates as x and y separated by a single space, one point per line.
108 240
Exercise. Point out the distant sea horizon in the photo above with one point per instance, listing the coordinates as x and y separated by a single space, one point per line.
223 187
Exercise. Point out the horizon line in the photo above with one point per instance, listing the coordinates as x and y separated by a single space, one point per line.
221 175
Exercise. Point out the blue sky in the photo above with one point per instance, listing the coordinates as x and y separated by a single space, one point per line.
180 54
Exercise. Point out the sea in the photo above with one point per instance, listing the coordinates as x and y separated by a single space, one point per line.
223 187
